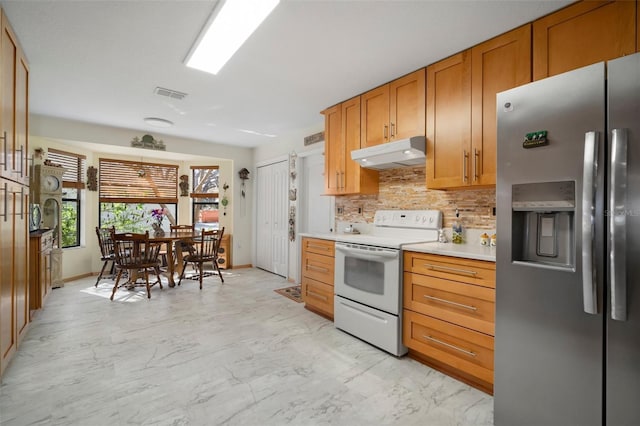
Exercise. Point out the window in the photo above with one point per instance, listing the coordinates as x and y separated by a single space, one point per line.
205 196
129 190
72 186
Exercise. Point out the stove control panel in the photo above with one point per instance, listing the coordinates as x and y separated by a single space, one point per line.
421 219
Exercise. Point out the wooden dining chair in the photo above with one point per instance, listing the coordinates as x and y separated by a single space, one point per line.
136 255
206 247
107 254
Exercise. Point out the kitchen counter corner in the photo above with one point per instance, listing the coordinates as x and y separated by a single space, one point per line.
467 251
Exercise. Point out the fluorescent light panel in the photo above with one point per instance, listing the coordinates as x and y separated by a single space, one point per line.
231 27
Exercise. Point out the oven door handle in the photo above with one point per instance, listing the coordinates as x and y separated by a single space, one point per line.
361 254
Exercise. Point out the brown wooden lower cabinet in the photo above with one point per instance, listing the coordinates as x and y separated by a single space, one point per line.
40 282
317 275
449 315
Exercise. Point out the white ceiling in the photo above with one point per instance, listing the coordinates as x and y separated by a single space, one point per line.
100 61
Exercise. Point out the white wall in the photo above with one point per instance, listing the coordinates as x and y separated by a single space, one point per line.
97 141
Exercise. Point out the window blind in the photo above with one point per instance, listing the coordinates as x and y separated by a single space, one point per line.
137 182
73 163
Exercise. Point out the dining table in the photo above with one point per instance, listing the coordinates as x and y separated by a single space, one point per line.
174 263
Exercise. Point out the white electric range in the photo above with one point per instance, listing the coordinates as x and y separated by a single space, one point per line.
368 271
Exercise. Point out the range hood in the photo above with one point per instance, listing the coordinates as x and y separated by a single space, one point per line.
402 153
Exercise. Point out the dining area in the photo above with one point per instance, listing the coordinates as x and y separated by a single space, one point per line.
146 259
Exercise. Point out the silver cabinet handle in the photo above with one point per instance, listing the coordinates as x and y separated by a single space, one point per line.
342 180
452 270
337 180
5 215
476 156
21 150
618 225
21 202
313 246
440 342
590 172
465 156
449 302
316 295
4 138
393 130
385 129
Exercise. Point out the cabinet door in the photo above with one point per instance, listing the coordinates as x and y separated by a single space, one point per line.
583 34
8 337
375 117
21 255
7 99
501 63
351 141
333 149
22 119
449 122
406 102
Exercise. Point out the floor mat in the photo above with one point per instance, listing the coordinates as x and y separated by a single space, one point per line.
292 293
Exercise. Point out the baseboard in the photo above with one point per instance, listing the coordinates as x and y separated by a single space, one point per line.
77 277
242 266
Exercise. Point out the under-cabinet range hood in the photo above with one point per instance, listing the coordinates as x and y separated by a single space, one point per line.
403 153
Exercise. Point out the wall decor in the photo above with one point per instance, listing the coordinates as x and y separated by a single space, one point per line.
293 195
184 185
315 138
244 175
225 200
148 142
92 178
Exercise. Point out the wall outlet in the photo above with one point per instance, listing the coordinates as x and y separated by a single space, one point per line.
493 211
339 210
359 210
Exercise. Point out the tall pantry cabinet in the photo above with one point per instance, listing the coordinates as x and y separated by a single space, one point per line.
14 194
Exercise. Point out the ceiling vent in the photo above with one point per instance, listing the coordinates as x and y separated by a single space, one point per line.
169 93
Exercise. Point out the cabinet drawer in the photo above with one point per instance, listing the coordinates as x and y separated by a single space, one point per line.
318 267
314 245
463 304
463 349
470 271
318 295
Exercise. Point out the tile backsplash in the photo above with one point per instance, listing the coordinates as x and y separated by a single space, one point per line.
405 188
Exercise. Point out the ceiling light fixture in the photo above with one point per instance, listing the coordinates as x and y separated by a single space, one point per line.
227 29
158 122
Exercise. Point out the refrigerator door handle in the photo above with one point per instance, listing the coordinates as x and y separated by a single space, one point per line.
589 286
618 225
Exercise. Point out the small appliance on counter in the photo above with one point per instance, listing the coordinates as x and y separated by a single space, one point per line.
35 217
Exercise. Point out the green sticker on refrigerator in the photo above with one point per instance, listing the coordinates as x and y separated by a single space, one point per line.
535 139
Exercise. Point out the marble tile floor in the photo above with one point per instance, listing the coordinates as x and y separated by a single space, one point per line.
230 354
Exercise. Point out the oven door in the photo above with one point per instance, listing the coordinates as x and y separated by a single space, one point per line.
368 275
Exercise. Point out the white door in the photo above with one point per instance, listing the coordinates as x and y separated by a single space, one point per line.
271 220
279 230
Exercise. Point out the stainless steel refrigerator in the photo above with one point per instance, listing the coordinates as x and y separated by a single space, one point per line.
567 344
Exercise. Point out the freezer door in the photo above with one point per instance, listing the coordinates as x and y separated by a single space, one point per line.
549 334
623 319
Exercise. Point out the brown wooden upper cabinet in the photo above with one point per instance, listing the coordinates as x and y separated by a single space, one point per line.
342 135
461 108
582 34
499 64
13 102
394 111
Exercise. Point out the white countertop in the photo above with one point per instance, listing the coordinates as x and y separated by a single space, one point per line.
467 251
